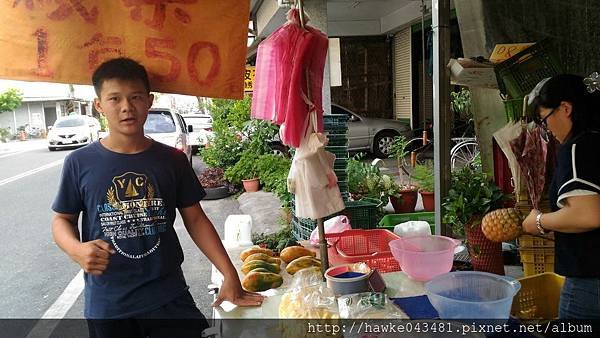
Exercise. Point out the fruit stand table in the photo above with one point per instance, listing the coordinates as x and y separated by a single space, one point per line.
398 285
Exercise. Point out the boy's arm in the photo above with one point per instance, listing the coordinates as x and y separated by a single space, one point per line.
205 236
93 256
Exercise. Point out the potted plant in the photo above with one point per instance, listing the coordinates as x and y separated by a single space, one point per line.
407 200
473 195
245 171
423 174
363 178
214 183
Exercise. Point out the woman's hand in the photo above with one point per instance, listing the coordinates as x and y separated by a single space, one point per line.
231 290
529 225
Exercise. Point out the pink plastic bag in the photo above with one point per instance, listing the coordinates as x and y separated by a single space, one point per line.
333 225
273 71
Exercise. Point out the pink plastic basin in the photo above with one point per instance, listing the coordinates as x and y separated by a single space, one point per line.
424 257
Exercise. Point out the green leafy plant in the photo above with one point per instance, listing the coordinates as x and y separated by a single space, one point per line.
245 168
277 241
399 151
4 134
10 99
273 171
472 195
226 146
423 174
388 188
460 104
363 178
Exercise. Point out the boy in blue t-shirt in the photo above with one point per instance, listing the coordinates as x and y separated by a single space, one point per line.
127 188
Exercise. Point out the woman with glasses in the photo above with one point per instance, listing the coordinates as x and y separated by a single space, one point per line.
569 110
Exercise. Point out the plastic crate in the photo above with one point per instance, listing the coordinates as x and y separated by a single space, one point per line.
529 241
368 246
340 152
514 109
519 74
335 121
390 221
337 140
362 214
340 164
537 260
538 297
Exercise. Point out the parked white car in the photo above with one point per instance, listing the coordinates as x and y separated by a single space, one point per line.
73 131
202 129
168 127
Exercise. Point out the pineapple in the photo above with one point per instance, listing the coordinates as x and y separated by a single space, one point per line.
502 225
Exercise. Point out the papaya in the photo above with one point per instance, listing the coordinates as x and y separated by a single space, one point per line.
255 264
254 250
292 252
301 263
260 270
261 281
263 257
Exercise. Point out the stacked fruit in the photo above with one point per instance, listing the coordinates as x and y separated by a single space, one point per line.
262 268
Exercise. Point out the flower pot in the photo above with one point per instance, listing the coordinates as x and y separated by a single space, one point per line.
428 200
485 254
251 185
216 192
406 202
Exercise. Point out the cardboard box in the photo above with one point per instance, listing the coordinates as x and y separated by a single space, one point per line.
466 72
504 51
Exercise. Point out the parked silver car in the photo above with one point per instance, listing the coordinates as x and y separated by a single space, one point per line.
371 134
364 133
168 127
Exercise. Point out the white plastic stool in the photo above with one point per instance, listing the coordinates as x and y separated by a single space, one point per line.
238 231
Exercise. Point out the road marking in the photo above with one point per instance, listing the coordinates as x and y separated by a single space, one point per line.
31 172
44 327
15 153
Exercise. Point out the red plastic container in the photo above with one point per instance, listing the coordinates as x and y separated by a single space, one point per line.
358 245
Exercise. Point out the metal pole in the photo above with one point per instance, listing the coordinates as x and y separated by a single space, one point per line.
441 106
424 73
320 224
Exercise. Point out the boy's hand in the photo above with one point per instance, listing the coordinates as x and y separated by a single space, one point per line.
231 290
93 256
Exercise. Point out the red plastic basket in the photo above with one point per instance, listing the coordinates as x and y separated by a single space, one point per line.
368 246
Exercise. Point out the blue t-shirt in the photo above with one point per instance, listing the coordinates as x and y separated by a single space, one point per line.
129 201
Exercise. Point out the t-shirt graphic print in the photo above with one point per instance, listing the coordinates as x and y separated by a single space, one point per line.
132 210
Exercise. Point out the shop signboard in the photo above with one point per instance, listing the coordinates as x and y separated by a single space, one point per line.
190 47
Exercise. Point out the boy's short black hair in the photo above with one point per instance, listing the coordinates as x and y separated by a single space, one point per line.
122 69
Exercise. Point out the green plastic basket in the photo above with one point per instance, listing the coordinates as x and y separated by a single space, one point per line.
362 214
390 221
335 121
337 140
519 74
340 152
514 109
340 164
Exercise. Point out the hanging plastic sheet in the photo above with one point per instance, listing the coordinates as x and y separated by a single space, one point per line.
289 68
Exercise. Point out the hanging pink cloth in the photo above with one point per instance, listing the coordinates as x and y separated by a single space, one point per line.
281 88
273 70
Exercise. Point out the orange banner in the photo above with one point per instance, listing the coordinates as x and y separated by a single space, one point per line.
193 47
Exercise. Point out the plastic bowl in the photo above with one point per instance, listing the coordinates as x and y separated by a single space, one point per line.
472 295
348 285
424 257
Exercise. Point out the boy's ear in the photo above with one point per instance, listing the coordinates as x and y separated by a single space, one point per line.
151 100
97 105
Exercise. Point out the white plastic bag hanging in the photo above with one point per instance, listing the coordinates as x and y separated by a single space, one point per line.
332 225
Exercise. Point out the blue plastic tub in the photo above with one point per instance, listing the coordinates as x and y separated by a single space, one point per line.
472 295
